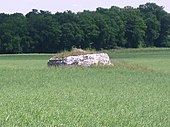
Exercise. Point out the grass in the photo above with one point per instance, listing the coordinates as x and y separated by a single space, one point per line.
157 59
133 93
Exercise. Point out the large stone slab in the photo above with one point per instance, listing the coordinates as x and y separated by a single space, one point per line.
81 60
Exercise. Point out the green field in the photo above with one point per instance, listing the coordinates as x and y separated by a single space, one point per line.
133 93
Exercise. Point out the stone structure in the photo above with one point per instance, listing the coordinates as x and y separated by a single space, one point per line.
81 60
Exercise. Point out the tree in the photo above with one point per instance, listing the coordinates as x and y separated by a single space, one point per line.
158 22
152 8
44 31
13 29
135 28
164 37
153 29
107 30
90 30
116 23
41 31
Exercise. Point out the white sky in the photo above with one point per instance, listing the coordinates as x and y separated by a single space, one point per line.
25 6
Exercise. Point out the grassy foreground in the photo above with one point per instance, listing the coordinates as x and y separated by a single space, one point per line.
133 93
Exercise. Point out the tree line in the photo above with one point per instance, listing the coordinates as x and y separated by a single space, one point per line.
43 32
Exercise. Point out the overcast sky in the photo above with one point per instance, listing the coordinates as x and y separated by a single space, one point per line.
25 6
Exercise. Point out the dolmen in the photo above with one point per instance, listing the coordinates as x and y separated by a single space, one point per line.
81 60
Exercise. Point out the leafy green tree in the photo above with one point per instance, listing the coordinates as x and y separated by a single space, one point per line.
153 29
152 8
67 36
158 22
90 30
66 17
164 37
44 31
119 25
13 29
135 28
41 31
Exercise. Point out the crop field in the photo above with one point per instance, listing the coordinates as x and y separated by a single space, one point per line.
135 92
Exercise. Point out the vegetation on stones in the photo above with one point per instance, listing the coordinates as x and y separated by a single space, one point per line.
74 52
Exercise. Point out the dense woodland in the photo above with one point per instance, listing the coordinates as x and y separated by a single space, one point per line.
43 32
